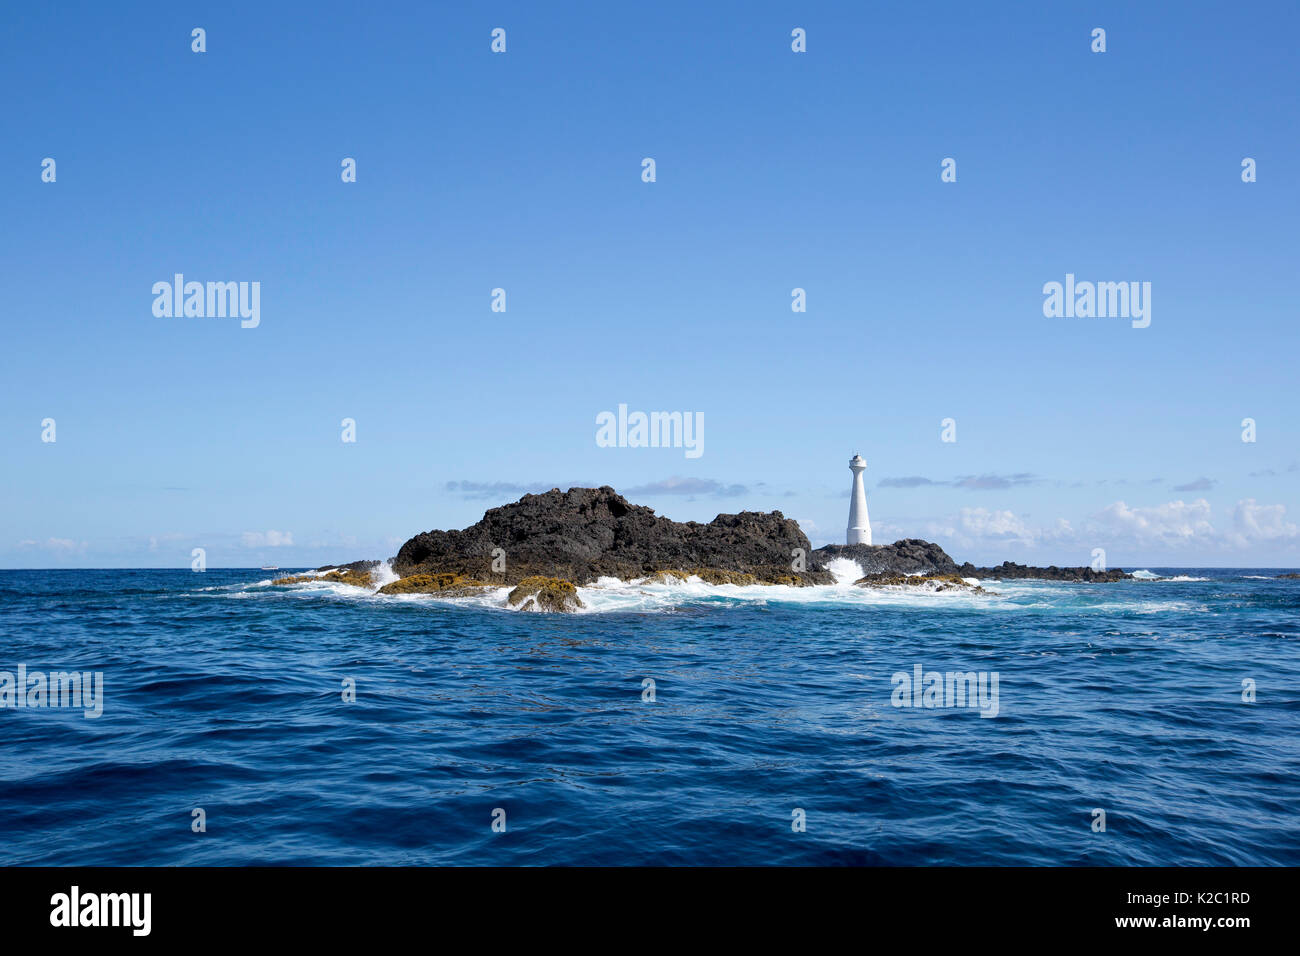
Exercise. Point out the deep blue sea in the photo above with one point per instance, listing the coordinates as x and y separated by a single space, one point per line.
224 693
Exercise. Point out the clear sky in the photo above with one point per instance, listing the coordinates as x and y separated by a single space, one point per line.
775 170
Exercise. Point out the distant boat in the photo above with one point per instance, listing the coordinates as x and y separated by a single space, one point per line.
271 567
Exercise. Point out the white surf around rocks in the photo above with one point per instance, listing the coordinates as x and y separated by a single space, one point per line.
642 595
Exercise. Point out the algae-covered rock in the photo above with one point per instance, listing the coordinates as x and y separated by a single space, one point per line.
358 579
666 576
935 582
741 578
719 576
792 580
545 594
444 585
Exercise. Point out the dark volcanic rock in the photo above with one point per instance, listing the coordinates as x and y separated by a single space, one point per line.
1009 570
582 534
908 556
357 567
914 556
1291 575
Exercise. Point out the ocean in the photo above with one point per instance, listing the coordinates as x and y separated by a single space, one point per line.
665 724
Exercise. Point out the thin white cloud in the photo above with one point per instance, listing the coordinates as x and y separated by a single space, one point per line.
266 539
507 490
677 485
158 539
986 482
56 545
1200 484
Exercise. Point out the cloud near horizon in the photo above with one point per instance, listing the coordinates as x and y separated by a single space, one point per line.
674 485
1273 472
266 539
911 481
1253 522
968 482
689 486
1174 525
481 490
477 491
56 545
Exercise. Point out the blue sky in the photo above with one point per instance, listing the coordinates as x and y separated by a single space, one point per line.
522 171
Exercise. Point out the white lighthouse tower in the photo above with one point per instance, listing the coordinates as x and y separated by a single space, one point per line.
859 524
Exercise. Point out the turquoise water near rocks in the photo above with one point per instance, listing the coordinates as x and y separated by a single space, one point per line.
224 692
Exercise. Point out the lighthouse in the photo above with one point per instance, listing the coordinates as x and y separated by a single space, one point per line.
859 524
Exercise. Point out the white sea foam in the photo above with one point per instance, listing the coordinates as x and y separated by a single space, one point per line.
643 597
846 570
1150 607
494 598
1145 575
611 595
384 574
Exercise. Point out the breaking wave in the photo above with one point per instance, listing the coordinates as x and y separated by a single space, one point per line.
1145 575
640 596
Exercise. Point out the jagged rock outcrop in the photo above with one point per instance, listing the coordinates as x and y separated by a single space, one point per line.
443 585
1009 571
543 545
544 594
914 556
356 567
908 556
583 534
932 582
350 574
